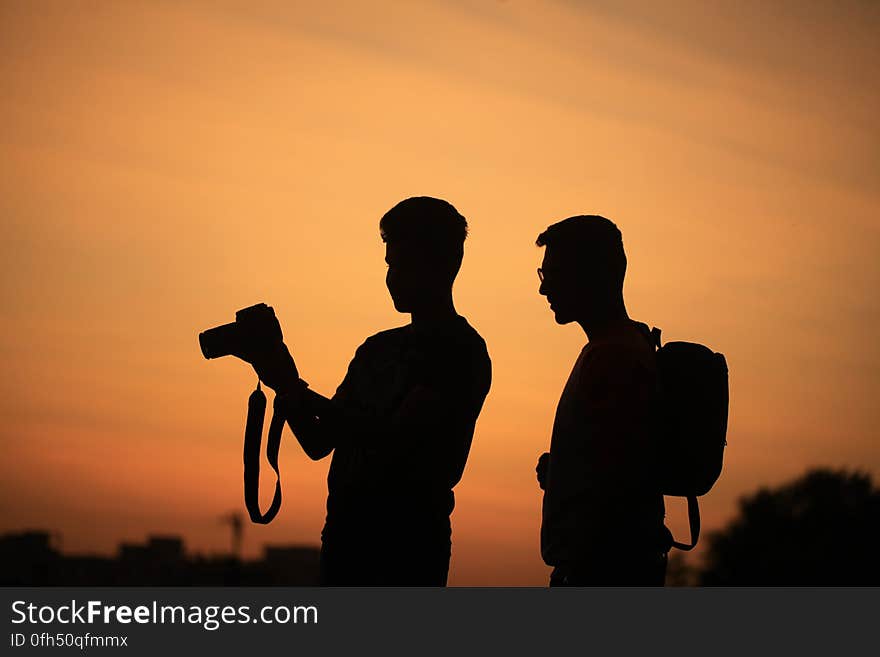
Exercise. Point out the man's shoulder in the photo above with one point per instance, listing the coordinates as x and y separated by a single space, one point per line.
381 345
627 343
459 340
468 336
464 353
388 336
621 353
463 358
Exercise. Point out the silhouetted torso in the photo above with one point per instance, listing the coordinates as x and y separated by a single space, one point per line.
603 512
390 498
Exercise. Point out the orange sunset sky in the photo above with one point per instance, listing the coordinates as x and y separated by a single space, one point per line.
165 163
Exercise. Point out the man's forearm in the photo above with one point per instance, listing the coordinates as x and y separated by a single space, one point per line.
340 423
321 424
313 435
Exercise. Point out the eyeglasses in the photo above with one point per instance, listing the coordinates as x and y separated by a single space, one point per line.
554 273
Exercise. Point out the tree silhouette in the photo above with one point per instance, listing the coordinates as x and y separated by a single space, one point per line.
680 571
821 529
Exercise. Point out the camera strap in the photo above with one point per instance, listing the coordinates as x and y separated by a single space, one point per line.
253 435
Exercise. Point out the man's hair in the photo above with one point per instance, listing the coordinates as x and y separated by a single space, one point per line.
429 224
591 243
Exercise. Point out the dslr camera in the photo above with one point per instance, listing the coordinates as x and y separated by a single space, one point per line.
254 328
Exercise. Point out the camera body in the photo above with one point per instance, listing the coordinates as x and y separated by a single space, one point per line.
254 328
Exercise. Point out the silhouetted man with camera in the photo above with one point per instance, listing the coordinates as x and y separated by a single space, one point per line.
603 511
401 422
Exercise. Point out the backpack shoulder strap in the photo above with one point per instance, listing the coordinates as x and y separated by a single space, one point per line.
655 337
652 335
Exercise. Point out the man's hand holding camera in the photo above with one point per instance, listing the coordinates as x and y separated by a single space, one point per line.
543 470
256 338
274 365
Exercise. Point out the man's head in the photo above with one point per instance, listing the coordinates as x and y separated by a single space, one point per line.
583 268
424 245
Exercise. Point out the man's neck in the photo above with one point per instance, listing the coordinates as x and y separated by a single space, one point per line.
604 324
434 314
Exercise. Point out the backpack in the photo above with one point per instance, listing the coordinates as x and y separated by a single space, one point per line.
694 397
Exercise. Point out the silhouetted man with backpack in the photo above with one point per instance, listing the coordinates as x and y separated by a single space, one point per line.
603 512
401 422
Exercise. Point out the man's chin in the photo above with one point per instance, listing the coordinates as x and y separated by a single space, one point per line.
562 318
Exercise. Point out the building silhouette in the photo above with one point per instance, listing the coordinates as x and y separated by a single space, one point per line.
33 558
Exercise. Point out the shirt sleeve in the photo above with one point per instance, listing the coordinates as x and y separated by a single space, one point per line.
344 394
447 401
